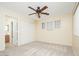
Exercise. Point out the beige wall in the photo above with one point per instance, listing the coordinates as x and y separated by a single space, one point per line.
61 36
75 41
75 45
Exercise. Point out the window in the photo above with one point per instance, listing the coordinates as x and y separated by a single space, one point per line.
57 24
49 25
43 25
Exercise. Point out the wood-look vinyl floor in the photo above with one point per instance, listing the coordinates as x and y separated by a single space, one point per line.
38 49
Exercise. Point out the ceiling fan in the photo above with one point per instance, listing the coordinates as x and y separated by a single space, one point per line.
39 11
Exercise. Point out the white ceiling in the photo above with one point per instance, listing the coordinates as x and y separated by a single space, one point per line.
54 8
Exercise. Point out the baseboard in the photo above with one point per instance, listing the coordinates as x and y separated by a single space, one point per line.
54 43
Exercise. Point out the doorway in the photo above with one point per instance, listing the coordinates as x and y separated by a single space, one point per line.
11 35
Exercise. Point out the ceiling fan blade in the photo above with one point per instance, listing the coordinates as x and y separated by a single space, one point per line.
31 8
45 13
45 7
32 13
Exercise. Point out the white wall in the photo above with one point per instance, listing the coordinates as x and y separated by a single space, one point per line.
24 27
26 31
75 43
76 23
62 36
2 45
